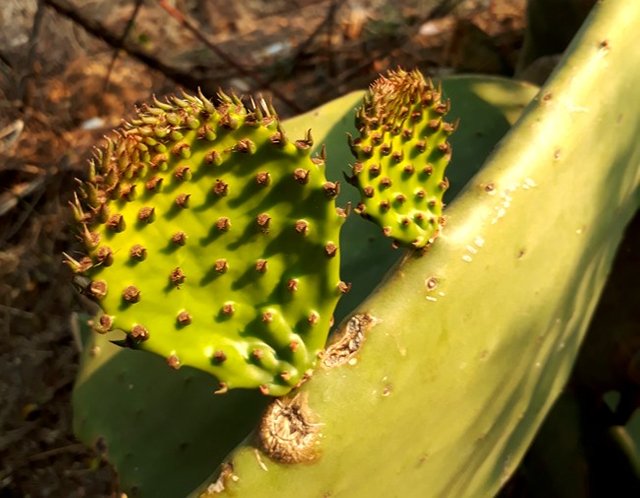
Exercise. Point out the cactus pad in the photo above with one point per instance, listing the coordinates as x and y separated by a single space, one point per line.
212 240
402 153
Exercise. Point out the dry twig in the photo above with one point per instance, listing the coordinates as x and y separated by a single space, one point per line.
123 37
248 73
97 29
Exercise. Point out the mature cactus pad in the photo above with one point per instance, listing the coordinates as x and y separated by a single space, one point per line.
212 240
401 153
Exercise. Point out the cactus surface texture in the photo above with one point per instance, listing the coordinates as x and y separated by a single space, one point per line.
463 351
401 155
205 427
212 240
436 383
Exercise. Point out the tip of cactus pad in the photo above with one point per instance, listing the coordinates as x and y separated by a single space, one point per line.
211 240
401 156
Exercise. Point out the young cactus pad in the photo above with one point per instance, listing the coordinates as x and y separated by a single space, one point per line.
212 241
402 153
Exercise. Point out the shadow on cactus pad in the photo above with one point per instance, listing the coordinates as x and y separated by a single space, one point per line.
164 430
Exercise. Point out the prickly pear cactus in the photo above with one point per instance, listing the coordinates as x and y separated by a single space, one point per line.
212 240
206 428
402 153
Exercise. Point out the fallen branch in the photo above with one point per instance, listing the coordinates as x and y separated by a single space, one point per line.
248 73
123 37
97 29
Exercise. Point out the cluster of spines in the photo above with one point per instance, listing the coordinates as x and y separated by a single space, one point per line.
401 153
135 165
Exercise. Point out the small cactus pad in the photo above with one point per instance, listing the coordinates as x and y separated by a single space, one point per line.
212 241
402 153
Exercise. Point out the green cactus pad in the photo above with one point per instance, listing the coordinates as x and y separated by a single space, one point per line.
205 427
402 153
212 241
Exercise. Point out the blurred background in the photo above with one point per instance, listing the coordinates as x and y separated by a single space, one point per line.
71 70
